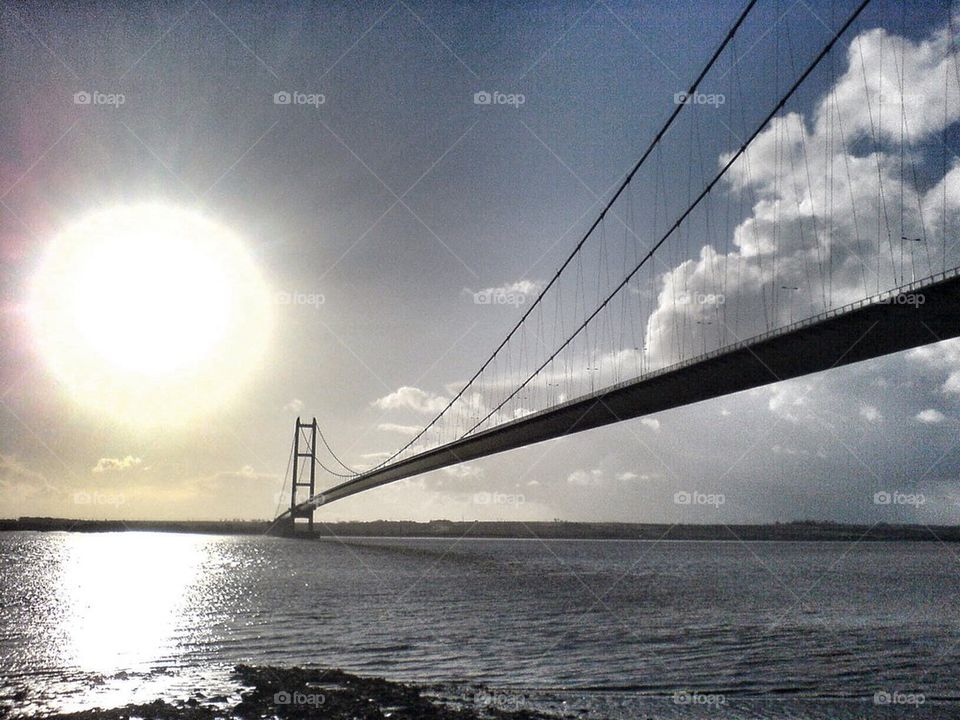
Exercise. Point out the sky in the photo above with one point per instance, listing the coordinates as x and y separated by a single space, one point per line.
374 205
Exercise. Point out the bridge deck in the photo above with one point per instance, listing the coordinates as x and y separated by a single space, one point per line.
867 329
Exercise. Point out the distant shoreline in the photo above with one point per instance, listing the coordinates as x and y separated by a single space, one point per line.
790 531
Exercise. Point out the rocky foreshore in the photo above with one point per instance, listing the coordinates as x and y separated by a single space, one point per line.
267 692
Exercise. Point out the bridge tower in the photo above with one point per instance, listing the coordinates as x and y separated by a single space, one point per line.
304 463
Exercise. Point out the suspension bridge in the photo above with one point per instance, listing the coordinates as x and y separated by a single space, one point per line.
746 246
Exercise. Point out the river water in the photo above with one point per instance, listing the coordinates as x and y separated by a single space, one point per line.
604 629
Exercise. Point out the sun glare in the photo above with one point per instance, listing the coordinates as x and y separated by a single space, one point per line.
149 313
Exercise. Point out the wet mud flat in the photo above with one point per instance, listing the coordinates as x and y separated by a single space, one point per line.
268 692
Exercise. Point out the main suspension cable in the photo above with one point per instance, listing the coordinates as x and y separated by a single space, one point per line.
333 454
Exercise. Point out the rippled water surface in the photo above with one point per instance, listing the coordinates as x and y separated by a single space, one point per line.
611 628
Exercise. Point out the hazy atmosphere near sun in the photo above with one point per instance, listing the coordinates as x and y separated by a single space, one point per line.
371 203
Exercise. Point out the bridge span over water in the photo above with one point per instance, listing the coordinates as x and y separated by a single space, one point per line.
918 314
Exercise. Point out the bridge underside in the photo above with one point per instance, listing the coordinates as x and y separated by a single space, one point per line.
848 335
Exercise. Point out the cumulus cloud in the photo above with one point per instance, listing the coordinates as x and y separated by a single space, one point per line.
916 84
116 464
411 398
930 416
774 273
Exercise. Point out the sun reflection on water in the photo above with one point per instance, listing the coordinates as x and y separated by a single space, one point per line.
125 602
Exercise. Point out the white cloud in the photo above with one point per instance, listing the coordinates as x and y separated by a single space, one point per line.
585 478
294 406
247 472
116 464
651 423
930 416
464 471
401 429
516 293
891 59
376 455
527 287
870 414
787 399
411 398
787 450
943 356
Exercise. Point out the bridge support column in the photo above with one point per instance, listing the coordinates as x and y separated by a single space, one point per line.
304 464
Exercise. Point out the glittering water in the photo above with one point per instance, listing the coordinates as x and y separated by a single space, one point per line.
608 628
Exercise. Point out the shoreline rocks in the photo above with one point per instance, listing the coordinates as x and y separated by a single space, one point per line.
311 693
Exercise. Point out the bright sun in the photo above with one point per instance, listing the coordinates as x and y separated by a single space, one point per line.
149 313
